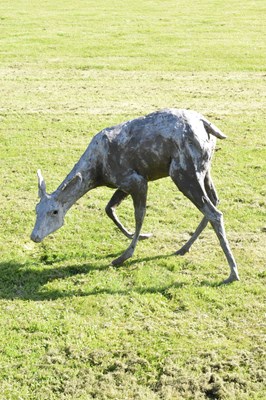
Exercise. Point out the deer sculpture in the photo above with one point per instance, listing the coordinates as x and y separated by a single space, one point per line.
170 142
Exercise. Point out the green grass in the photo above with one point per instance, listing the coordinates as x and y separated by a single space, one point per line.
160 327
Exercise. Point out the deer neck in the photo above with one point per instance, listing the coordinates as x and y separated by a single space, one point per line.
79 181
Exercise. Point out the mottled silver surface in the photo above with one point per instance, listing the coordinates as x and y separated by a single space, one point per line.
171 142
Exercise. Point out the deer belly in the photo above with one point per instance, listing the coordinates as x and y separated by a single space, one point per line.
151 165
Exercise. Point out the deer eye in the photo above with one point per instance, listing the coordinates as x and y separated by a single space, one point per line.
55 212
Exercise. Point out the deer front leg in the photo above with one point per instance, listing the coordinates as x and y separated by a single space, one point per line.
135 185
115 200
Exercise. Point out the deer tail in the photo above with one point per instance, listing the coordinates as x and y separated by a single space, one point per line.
212 129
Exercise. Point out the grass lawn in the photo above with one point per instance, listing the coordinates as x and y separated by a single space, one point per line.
160 327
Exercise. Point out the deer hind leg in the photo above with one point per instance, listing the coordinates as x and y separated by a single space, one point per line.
115 200
186 247
212 194
192 188
137 187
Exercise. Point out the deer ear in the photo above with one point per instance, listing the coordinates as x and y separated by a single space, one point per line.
67 190
41 184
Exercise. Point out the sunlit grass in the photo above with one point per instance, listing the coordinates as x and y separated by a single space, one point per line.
159 327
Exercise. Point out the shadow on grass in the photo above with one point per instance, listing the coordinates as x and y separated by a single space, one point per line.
27 281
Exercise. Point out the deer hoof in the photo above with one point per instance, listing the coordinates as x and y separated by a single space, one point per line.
118 261
142 236
145 236
182 251
127 254
231 278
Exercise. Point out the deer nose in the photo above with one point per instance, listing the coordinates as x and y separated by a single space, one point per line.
35 238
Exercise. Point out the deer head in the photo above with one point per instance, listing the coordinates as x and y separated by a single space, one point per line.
52 208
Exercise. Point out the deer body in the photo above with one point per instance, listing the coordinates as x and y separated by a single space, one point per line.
175 143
